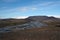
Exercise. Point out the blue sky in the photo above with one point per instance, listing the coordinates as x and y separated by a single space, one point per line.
24 8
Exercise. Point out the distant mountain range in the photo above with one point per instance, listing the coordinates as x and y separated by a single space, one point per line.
33 18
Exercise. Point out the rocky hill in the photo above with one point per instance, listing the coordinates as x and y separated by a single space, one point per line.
29 23
43 18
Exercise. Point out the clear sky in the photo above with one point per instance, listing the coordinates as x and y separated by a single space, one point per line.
24 8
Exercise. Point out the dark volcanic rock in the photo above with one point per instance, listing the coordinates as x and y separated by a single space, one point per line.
29 25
